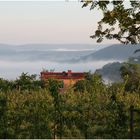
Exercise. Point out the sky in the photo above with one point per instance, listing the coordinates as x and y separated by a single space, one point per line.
52 22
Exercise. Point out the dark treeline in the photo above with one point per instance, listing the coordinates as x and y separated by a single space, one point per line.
31 108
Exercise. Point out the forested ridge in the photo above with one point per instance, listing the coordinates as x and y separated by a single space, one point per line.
32 108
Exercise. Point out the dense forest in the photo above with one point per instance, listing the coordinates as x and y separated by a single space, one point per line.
32 108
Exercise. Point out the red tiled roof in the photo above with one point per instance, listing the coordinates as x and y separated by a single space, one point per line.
63 75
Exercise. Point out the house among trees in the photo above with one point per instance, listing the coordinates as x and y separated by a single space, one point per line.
68 78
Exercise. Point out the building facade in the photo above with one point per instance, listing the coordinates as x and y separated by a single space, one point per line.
69 78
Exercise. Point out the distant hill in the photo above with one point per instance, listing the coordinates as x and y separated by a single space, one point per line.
135 59
114 52
111 71
46 52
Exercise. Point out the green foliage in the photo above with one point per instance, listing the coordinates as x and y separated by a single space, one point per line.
90 83
3 109
57 118
5 85
117 119
89 109
28 82
23 82
116 13
131 75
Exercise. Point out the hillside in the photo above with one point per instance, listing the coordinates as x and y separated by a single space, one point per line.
46 52
114 52
111 71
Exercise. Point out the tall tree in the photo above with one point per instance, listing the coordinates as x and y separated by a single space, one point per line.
124 15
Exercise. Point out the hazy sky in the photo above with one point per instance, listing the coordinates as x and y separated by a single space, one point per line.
47 22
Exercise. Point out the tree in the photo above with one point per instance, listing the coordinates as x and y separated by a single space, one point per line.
3 109
28 82
5 85
54 88
131 75
117 13
117 119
